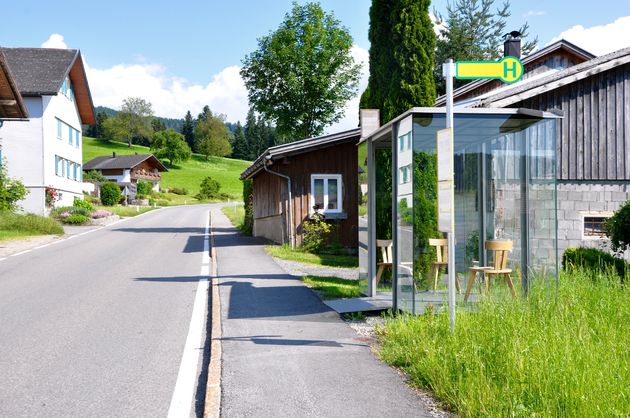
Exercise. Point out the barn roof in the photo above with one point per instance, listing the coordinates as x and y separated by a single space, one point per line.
113 162
300 147
41 72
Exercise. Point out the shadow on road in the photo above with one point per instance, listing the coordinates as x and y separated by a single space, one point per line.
178 279
184 230
275 340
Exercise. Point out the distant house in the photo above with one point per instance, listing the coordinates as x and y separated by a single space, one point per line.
127 170
45 152
593 137
290 180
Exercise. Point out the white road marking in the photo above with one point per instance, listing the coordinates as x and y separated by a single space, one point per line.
183 394
20 253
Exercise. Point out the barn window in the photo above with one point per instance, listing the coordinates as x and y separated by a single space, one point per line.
326 193
594 226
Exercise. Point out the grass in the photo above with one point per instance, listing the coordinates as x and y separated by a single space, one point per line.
185 175
328 260
332 287
15 226
126 211
563 353
236 215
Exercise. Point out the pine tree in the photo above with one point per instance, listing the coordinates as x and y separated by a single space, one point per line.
188 130
401 57
239 144
205 114
251 135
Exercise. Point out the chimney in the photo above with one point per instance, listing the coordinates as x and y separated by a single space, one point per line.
370 121
113 155
512 44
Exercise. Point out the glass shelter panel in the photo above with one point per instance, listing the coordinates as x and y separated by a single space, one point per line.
505 191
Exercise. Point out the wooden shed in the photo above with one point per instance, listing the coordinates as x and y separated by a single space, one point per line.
290 180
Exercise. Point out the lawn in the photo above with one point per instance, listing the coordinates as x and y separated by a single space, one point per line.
15 226
328 260
186 175
126 211
332 287
563 353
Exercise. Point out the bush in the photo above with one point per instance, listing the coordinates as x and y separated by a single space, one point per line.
91 199
72 210
144 187
110 193
29 223
248 200
75 219
11 191
594 260
162 202
95 175
80 203
209 189
101 213
179 191
618 228
316 234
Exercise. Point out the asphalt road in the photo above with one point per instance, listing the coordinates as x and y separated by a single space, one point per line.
96 325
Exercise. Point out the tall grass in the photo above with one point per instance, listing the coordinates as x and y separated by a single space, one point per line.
333 287
14 225
564 353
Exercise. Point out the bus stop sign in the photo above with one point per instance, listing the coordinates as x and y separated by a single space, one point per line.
508 70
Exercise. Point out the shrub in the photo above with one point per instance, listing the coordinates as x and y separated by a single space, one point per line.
95 175
11 191
110 193
72 210
162 202
316 234
101 213
29 223
179 191
144 187
618 228
75 219
209 189
248 200
80 203
595 260
91 199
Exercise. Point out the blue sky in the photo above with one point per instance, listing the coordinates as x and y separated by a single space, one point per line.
185 54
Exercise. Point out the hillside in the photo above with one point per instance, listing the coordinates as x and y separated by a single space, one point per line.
189 174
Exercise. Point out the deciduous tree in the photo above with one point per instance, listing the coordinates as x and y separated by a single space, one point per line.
302 74
171 145
212 136
133 121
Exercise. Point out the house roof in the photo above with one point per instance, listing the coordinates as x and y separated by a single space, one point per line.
11 103
300 147
41 72
557 79
113 162
562 44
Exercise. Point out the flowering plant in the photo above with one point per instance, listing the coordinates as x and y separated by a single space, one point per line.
52 196
101 214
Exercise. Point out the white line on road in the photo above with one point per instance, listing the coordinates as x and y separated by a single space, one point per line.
183 394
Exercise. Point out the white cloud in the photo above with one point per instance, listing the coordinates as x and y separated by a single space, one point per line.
350 119
600 39
534 13
55 41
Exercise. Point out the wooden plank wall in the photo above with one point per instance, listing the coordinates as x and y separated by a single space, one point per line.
270 197
593 138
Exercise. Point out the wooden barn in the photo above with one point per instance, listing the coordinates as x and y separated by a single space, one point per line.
291 180
593 136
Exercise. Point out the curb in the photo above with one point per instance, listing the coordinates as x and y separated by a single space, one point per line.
212 404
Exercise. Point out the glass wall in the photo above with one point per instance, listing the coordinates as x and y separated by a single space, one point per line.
504 191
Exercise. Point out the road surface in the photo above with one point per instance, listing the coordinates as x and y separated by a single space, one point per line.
96 325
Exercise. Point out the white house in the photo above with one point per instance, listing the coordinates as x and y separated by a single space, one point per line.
46 151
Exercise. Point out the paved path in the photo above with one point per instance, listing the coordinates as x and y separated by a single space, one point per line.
285 354
95 325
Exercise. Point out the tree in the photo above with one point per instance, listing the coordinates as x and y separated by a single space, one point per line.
11 191
171 145
157 125
401 57
208 189
617 228
302 74
239 144
133 121
205 114
110 193
212 136
473 30
188 130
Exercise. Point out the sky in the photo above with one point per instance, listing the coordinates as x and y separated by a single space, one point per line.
182 55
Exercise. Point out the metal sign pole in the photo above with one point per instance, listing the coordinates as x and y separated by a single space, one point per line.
449 73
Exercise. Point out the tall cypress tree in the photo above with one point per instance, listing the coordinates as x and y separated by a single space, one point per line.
188 130
251 135
401 57
239 144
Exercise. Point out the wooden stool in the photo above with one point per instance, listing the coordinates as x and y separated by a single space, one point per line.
386 252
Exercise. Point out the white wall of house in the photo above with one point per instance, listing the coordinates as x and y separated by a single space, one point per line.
125 177
40 155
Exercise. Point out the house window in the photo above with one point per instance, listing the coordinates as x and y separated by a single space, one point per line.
326 192
59 133
70 134
594 226
78 139
404 174
79 169
69 169
56 165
